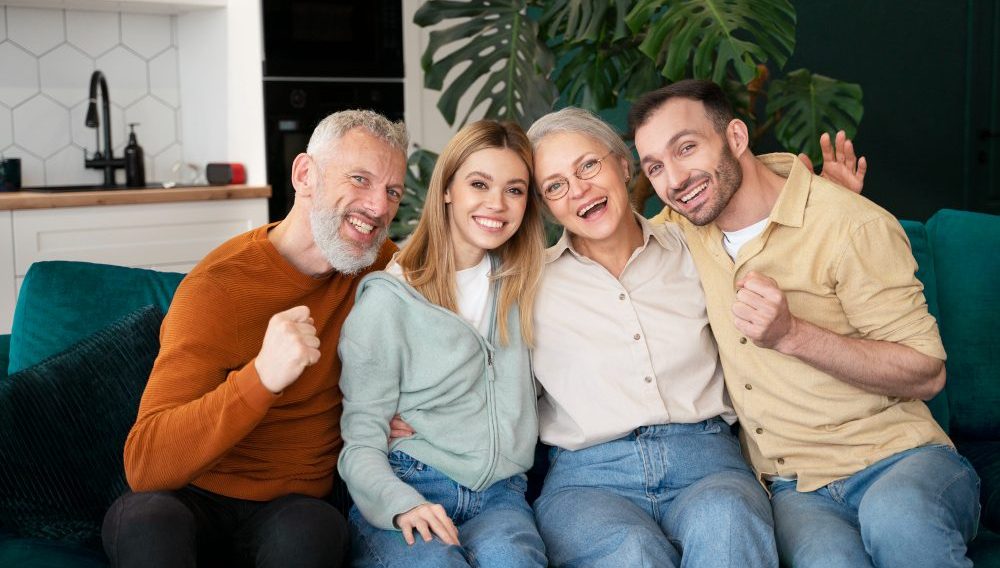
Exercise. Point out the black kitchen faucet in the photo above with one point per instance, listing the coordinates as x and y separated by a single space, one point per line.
107 160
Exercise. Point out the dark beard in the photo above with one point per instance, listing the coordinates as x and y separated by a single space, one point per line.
728 178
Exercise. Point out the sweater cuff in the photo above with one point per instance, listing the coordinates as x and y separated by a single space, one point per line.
251 390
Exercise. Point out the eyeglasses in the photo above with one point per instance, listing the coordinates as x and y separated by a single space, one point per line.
559 187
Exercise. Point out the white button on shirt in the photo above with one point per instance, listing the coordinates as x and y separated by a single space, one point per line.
613 355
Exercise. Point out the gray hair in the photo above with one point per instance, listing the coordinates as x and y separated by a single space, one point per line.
576 120
336 125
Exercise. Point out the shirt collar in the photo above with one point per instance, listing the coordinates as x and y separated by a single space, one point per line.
648 230
790 208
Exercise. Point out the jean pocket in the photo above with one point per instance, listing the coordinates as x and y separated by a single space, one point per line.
402 464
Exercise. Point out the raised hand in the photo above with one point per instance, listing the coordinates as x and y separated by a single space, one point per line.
290 345
840 164
428 519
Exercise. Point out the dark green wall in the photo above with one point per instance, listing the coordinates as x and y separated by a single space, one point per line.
929 73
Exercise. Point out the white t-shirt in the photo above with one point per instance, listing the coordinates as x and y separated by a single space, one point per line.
733 241
473 287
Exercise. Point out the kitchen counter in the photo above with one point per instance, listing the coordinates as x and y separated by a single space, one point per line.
27 199
164 229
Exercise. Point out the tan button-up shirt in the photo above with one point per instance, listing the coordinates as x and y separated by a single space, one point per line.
845 265
615 354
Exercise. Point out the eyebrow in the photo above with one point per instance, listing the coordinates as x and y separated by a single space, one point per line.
490 178
476 173
670 142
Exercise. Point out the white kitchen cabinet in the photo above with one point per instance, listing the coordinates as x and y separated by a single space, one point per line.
159 236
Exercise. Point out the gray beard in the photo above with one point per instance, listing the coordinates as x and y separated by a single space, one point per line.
342 255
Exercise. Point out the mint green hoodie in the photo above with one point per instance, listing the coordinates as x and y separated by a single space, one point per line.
470 400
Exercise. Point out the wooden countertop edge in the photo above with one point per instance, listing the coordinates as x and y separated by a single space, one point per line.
36 200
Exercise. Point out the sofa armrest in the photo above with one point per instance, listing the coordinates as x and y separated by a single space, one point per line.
4 355
985 457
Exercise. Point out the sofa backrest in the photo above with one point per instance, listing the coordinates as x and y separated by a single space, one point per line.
927 274
61 302
966 250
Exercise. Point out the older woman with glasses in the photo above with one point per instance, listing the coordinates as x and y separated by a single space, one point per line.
645 470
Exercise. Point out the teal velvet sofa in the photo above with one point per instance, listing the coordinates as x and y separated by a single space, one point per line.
77 316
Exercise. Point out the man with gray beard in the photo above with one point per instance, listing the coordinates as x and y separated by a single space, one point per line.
233 452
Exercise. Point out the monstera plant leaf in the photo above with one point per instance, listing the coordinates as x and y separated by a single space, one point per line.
586 20
810 105
420 165
598 60
597 80
705 39
494 38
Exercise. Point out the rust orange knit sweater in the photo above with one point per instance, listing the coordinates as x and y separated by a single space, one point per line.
205 418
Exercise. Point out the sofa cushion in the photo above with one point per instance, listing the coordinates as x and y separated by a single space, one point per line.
985 457
63 425
38 553
926 273
62 302
968 269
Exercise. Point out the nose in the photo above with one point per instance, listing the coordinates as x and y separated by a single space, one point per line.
577 187
676 176
377 202
494 199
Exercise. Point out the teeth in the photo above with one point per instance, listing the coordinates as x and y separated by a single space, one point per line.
586 209
695 193
360 225
489 223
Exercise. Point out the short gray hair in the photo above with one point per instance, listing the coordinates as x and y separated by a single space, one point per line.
336 125
576 120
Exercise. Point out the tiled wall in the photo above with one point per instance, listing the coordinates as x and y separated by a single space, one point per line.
46 59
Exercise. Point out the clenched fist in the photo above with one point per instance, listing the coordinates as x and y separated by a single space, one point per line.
290 345
761 311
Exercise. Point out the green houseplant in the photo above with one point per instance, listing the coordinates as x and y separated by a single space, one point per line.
522 58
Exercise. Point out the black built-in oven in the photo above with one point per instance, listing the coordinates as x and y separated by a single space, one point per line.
321 56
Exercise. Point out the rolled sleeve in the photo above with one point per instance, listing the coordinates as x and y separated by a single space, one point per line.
879 290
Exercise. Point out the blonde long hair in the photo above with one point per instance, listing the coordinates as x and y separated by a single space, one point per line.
428 258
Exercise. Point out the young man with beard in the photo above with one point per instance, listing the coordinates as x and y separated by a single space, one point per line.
825 338
236 441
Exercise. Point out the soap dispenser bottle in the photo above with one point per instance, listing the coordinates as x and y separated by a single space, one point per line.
135 169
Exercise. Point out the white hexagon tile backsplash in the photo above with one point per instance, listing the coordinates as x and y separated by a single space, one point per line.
47 57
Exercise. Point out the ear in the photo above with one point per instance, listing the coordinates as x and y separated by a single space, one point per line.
625 169
447 195
738 137
304 170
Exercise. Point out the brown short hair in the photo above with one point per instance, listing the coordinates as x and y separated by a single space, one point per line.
717 106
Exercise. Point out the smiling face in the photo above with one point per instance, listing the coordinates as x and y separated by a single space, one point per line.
358 185
486 201
689 163
593 209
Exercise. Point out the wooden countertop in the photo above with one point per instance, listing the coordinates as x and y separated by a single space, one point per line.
38 200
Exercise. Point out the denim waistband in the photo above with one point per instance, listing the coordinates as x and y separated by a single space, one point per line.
714 424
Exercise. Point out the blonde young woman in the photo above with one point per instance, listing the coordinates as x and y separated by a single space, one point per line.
441 338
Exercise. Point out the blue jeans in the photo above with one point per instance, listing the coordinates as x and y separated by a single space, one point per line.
669 495
495 526
917 508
